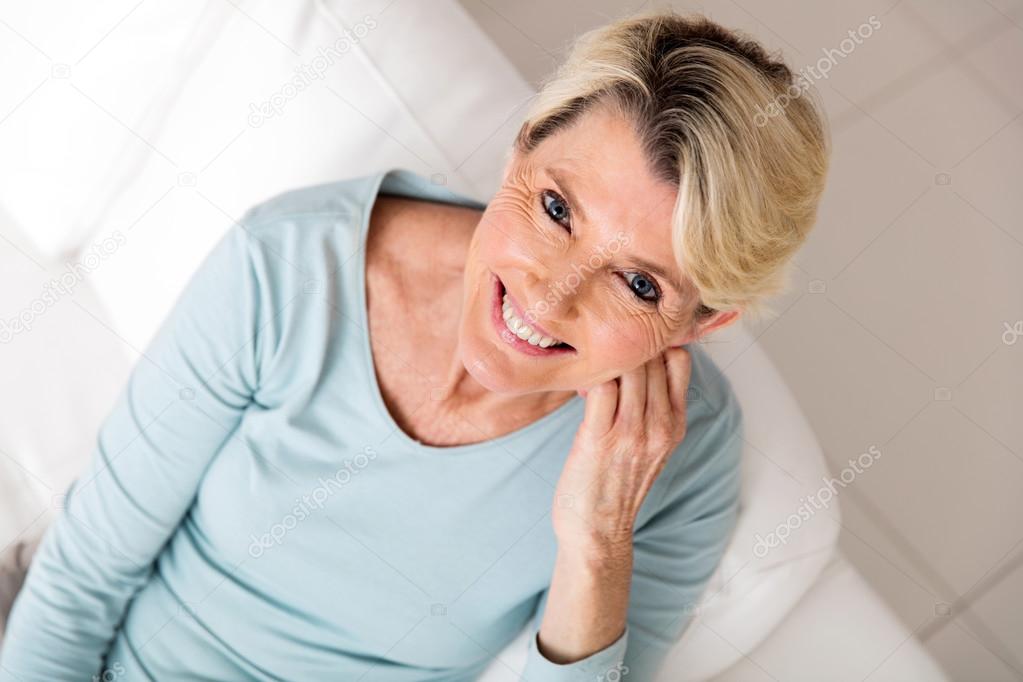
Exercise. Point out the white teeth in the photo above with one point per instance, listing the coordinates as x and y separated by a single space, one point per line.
522 330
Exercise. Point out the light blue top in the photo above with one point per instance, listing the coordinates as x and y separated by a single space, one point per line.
253 512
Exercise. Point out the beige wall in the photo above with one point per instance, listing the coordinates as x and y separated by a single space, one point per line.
895 333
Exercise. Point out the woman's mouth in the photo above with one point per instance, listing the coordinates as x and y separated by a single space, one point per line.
517 331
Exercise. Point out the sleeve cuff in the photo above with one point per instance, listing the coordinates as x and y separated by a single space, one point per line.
599 665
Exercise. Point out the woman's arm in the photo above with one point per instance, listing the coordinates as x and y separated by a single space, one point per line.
587 602
183 400
617 603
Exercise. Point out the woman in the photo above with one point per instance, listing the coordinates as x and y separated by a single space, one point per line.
386 425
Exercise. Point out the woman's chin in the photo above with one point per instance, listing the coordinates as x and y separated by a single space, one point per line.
498 380
492 369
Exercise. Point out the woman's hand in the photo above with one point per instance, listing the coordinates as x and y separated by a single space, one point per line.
630 428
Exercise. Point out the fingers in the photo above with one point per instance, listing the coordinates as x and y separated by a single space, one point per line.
678 365
632 396
656 388
658 403
601 401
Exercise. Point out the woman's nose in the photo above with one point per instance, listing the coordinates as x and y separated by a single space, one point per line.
554 293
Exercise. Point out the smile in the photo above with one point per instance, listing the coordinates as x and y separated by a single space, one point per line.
512 328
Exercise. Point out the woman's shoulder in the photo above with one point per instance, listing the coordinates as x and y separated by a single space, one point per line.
311 205
301 250
711 395
302 239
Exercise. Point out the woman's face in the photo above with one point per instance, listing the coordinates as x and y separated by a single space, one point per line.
576 245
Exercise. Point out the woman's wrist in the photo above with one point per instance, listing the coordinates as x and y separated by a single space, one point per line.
597 551
587 601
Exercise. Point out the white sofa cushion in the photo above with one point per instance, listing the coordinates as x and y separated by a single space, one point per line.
840 630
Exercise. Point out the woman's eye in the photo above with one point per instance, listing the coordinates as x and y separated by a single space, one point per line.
642 286
555 208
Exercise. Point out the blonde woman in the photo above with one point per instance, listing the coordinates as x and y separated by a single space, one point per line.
386 426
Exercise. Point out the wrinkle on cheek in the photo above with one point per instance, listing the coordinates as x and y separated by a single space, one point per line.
610 307
675 318
516 213
629 340
651 335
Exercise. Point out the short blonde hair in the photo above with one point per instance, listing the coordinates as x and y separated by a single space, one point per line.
705 103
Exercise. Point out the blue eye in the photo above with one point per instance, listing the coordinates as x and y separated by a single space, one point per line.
555 207
642 286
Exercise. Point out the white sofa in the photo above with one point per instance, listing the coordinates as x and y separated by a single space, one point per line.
163 122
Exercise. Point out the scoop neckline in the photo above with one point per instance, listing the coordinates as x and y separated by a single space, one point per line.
428 190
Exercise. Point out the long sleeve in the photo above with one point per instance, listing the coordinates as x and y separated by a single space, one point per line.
183 399
596 666
675 553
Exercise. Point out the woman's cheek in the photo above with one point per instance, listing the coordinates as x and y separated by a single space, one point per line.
622 344
493 241
509 232
608 344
